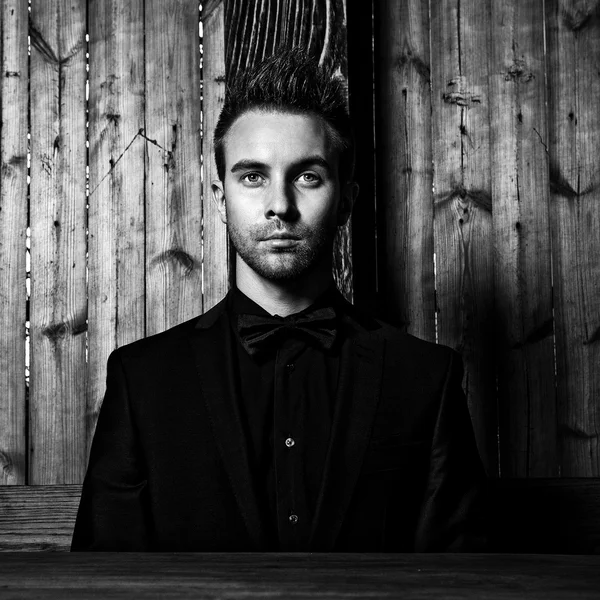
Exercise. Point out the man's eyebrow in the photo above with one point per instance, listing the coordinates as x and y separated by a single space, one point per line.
255 165
247 163
313 161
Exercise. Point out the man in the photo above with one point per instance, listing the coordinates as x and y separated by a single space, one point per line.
283 419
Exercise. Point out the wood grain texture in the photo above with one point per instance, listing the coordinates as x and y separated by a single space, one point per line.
521 228
215 257
58 242
173 182
257 28
573 42
533 515
298 576
364 225
545 515
460 44
13 232
116 201
37 517
404 164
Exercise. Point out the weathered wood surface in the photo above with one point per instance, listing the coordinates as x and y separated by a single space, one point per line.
573 62
116 294
215 257
34 518
173 182
460 44
359 28
299 576
532 515
57 438
521 236
404 150
544 515
257 28
13 232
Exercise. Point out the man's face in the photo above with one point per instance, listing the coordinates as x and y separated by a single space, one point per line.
281 197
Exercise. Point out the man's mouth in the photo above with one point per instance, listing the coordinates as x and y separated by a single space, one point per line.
281 236
281 240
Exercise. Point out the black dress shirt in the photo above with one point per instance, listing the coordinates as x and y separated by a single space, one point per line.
286 403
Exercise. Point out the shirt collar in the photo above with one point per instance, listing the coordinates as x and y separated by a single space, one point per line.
239 303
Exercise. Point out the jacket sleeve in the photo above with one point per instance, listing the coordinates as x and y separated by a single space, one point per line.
453 512
112 512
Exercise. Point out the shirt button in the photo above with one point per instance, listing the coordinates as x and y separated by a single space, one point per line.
290 368
293 519
289 442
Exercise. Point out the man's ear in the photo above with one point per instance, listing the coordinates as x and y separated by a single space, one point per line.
347 200
218 192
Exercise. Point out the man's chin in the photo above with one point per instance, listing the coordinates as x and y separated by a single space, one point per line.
280 266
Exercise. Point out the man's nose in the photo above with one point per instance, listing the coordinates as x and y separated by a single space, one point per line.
280 202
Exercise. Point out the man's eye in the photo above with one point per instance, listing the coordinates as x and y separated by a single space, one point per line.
252 178
311 178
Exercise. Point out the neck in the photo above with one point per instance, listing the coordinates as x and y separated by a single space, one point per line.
282 298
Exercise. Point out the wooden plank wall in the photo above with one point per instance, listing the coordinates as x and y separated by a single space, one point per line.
116 294
573 71
521 237
13 233
478 224
499 177
58 218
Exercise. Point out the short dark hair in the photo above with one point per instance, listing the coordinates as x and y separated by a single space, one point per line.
289 81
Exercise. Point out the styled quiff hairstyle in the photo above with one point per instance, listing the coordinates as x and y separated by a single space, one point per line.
289 81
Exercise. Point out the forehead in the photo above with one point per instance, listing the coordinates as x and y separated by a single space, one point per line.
277 138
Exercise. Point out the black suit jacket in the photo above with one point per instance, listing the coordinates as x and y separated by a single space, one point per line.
169 467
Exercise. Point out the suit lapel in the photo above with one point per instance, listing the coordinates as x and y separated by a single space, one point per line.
214 358
356 404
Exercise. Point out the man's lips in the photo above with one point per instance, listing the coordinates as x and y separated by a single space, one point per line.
281 236
281 240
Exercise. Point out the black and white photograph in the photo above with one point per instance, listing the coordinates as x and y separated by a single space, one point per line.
300 299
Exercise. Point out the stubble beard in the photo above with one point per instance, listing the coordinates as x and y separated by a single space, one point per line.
286 264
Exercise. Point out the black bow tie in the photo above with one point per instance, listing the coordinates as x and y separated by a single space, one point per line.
258 333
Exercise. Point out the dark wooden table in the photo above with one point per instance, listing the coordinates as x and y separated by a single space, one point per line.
330 576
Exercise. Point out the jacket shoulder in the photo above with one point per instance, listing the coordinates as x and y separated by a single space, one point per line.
414 344
398 340
160 344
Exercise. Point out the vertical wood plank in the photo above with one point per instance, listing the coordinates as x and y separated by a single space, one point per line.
173 187
460 43
13 226
361 102
521 226
215 259
58 242
573 46
404 155
116 201
320 27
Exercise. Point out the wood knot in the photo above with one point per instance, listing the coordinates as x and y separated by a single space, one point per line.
176 255
55 331
113 118
59 330
578 18
519 72
594 338
6 464
409 59
460 95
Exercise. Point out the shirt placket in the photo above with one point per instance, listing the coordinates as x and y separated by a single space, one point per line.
293 519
